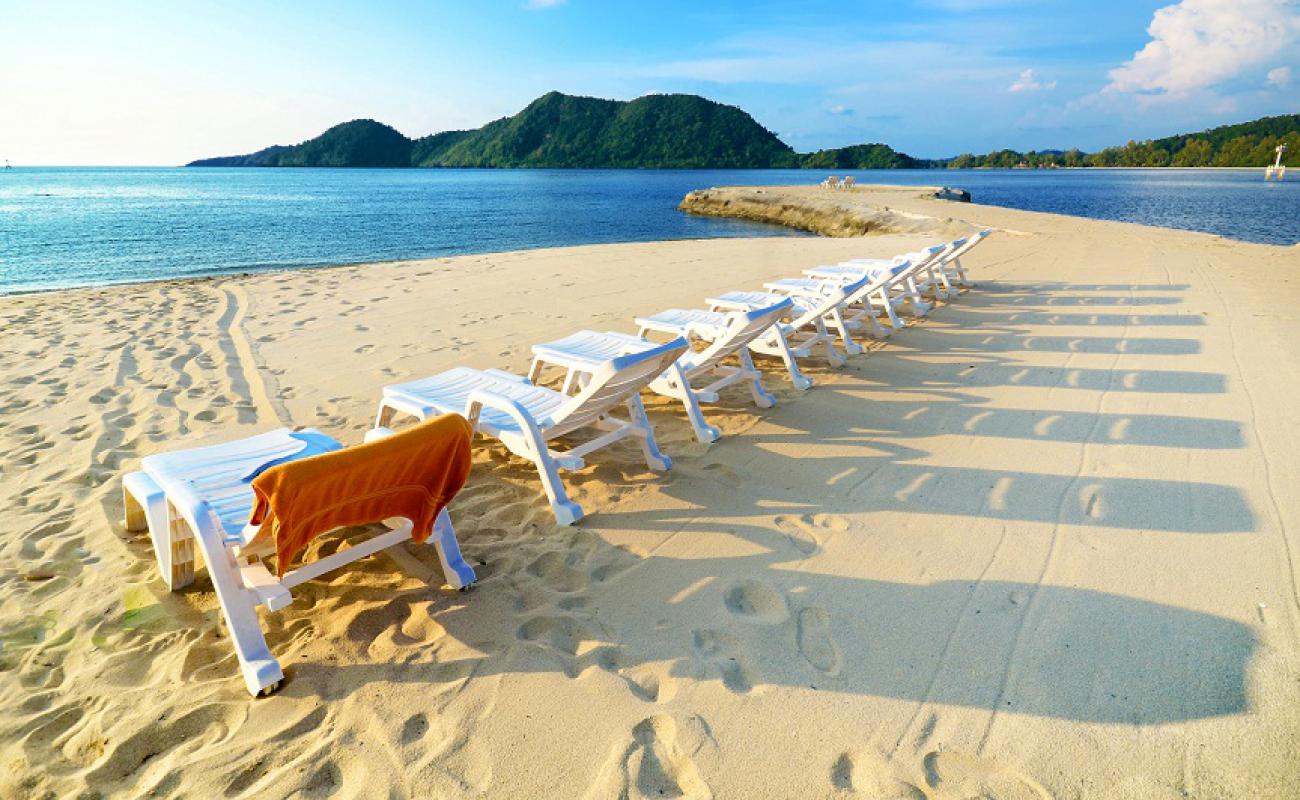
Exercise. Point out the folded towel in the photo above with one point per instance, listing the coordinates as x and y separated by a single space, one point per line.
412 474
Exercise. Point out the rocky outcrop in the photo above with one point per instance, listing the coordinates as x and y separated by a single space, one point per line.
828 212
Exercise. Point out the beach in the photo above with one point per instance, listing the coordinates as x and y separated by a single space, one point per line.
1041 543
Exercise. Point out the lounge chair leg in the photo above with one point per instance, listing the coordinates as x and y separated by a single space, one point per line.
919 307
850 347
262 673
800 381
824 338
653 457
457 573
566 511
384 419
173 546
704 432
894 321
762 398
961 273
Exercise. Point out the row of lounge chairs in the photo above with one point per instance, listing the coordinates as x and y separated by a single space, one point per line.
200 499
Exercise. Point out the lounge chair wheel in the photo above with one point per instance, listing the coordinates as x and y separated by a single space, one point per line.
267 691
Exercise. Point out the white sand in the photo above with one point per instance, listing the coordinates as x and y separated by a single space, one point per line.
1042 543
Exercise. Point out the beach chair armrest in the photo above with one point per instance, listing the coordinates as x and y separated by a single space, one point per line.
481 398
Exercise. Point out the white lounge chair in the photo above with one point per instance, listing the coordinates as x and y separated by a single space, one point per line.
952 266
526 417
863 306
904 276
583 352
831 182
698 323
202 498
847 182
809 320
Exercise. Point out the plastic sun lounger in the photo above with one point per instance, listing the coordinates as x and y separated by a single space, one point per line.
952 266
584 351
809 319
525 417
901 286
698 323
202 498
861 305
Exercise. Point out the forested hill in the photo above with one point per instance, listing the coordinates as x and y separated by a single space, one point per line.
687 131
1247 144
558 130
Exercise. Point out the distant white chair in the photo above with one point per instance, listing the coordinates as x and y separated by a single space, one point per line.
202 498
847 182
831 183
526 418
582 353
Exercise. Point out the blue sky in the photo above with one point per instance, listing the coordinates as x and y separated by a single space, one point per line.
163 83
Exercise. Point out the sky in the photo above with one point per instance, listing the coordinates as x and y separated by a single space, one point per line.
145 83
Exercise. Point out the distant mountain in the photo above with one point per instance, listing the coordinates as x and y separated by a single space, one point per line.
861 156
555 130
359 143
655 131
685 131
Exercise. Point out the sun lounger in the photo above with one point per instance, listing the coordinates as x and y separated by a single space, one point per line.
201 499
863 306
831 183
847 182
904 276
526 417
583 352
951 264
810 320
698 323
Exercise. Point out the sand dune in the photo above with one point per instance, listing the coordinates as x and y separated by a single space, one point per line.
1042 543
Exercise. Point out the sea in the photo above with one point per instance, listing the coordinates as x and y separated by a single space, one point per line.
69 227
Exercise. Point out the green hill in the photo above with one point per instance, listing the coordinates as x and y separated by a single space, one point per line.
359 143
656 131
861 156
1246 144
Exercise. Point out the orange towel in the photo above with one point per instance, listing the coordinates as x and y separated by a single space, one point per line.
411 474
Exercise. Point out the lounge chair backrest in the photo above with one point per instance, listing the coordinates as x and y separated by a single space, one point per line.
612 383
829 300
964 247
743 327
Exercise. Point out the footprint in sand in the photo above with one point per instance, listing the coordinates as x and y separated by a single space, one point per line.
871 775
722 651
756 601
556 574
807 531
952 773
816 644
653 765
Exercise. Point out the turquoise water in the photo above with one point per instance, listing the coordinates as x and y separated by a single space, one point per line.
63 227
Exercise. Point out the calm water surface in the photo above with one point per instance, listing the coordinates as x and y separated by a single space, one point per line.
63 227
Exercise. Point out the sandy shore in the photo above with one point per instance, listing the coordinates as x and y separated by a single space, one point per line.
1042 543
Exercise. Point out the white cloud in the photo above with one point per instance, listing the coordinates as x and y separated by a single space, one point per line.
1029 82
540 4
1196 44
1280 77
